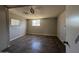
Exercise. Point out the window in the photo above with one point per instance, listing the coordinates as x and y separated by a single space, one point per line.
15 22
35 22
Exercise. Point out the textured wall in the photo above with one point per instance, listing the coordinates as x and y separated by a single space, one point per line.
48 26
4 33
19 30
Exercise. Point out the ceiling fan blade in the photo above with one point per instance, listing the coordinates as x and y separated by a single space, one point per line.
32 10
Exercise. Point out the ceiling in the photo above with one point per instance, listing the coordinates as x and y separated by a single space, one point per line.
15 6
40 11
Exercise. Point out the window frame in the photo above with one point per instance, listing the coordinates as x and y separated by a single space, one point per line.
35 22
15 24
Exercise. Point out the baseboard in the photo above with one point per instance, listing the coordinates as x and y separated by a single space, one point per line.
16 37
34 34
42 34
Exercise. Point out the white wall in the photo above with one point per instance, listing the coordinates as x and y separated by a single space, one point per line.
72 28
61 24
4 33
17 31
48 26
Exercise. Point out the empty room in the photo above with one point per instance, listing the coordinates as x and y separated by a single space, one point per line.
39 28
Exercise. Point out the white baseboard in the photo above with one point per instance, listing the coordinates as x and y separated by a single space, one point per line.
16 37
43 34
32 33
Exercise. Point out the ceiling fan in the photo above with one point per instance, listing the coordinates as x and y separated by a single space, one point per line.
31 10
